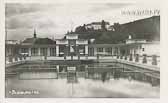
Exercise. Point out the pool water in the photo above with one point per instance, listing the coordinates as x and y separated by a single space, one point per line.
80 80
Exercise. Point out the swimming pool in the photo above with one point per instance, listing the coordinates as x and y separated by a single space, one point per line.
46 80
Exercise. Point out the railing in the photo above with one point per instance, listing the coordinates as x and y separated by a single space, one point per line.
10 61
153 61
148 60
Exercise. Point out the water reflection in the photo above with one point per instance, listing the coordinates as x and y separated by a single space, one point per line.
104 73
92 78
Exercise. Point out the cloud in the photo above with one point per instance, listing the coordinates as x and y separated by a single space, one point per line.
108 7
29 22
15 9
57 19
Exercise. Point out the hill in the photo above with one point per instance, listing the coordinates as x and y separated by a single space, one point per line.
148 28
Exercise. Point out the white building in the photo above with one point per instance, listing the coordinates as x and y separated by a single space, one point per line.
149 48
97 25
141 47
12 41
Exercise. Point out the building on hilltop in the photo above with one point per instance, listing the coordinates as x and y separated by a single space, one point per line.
97 25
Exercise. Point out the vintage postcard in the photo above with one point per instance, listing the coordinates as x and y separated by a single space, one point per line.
82 50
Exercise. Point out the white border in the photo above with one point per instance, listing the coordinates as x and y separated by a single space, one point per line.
164 57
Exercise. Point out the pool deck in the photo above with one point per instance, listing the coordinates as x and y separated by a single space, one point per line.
146 66
155 68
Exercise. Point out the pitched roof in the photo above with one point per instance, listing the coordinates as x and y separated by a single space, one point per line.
29 40
39 41
44 41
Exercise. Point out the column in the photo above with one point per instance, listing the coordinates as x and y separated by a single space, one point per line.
95 51
137 58
113 51
67 50
29 51
104 50
57 50
86 49
154 60
144 60
58 68
130 58
20 51
78 53
48 51
125 57
39 51
119 51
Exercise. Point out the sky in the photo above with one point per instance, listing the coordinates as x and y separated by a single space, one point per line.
54 20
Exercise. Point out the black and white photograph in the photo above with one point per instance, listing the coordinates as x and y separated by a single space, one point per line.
82 50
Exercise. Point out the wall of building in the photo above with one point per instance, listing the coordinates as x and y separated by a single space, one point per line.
96 27
145 48
151 49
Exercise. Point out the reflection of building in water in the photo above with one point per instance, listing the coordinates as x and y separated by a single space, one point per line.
71 75
104 76
33 75
74 73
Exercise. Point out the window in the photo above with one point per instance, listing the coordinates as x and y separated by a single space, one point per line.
43 51
108 50
91 51
116 51
72 42
24 50
52 51
99 49
34 51
140 46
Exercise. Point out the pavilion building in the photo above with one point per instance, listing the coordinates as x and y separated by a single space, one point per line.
71 45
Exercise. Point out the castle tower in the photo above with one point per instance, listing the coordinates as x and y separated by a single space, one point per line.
35 35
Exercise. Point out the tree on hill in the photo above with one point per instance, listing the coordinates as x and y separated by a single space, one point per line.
117 27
